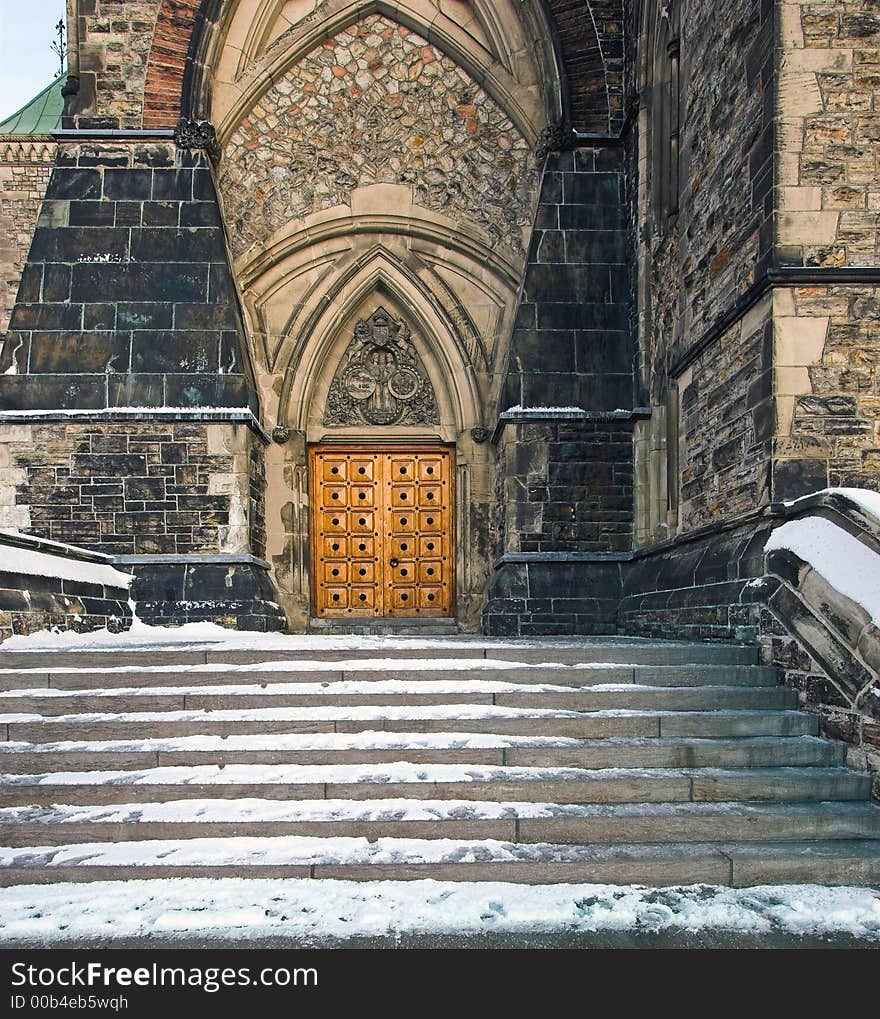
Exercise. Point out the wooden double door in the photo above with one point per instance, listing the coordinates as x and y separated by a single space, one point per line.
382 530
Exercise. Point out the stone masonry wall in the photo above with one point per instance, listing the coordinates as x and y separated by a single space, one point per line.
376 104
571 346
829 105
726 423
115 41
133 488
827 369
25 168
126 299
566 486
723 233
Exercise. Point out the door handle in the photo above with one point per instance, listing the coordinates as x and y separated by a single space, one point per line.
393 562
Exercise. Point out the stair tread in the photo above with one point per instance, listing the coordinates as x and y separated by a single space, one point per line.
368 740
312 850
356 712
378 688
206 811
232 774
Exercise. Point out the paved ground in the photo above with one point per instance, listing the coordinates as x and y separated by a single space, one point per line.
562 940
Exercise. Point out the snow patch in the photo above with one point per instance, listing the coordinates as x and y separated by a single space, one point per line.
850 567
32 563
249 909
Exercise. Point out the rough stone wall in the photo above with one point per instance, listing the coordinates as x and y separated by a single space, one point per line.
827 343
25 168
138 488
723 233
827 368
376 104
829 96
115 40
726 423
567 486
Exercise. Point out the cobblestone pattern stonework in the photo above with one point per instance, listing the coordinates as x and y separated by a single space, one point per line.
127 298
376 104
25 169
829 175
726 424
139 488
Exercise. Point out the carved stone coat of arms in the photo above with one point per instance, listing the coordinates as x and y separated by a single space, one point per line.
381 379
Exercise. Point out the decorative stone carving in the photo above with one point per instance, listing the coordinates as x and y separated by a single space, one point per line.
197 134
554 138
480 435
381 379
281 434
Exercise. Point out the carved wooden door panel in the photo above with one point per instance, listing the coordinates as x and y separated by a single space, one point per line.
382 540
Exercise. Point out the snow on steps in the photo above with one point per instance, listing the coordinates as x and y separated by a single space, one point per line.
539 761
798 748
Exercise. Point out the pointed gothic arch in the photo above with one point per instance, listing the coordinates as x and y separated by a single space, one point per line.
310 362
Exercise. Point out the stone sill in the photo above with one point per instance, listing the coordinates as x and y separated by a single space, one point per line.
198 559
207 414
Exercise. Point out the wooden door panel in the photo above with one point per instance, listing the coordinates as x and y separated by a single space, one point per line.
382 531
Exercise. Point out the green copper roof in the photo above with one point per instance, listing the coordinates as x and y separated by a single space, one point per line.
41 115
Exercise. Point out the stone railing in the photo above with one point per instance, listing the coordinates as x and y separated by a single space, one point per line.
49 585
820 569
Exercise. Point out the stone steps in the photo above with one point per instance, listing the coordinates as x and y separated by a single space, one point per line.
762 751
528 822
558 675
451 759
836 862
590 699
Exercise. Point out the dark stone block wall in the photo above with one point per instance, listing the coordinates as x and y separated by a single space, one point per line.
567 486
565 448
126 298
238 595
553 597
571 345
30 602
